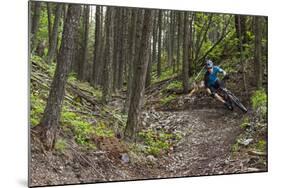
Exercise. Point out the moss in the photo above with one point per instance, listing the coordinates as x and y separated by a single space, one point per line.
167 99
175 85
157 143
259 103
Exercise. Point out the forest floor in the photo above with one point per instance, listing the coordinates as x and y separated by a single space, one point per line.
208 133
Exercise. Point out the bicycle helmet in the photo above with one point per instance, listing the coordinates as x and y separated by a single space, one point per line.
209 64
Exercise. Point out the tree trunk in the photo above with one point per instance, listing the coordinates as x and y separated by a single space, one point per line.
179 40
117 46
35 24
108 54
49 11
100 75
83 63
123 56
155 27
241 50
159 43
50 120
54 39
97 46
258 45
149 67
170 40
139 78
136 20
185 64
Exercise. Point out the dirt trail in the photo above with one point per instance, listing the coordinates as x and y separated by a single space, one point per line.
205 148
209 130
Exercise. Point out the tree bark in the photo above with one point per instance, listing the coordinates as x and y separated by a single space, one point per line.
35 24
54 38
241 50
50 120
83 63
185 64
258 45
108 54
179 41
123 56
159 43
49 11
97 46
139 78
149 68
136 20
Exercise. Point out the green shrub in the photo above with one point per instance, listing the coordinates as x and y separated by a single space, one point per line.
72 77
60 145
168 99
101 130
165 74
245 123
158 142
261 145
175 85
259 103
37 109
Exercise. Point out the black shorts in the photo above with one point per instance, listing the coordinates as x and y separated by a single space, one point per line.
215 86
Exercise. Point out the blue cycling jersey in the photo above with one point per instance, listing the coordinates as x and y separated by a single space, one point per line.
212 77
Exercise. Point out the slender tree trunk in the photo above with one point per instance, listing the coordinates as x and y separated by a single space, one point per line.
35 24
201 37
154 48
123 56
241 50
169 37
100 75
83 63
179 41
139 78
136 20
49 11
159 43
149 67
258 45
117 46
173 27
108 54
185 64
50 120
97 46
54 39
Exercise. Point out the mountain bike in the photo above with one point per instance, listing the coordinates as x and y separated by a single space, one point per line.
229 97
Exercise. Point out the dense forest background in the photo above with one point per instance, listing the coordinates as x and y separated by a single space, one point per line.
118 82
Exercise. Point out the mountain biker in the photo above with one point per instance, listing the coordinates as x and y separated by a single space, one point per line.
212 83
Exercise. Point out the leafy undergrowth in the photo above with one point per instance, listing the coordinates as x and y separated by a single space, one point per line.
87 124
158 142
165 74
253 139
77 117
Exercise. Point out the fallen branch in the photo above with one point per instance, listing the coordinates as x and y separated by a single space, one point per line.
257 153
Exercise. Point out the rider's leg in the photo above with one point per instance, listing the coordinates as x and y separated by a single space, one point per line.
215 88
219 98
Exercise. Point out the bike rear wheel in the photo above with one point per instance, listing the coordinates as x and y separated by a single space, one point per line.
237 102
